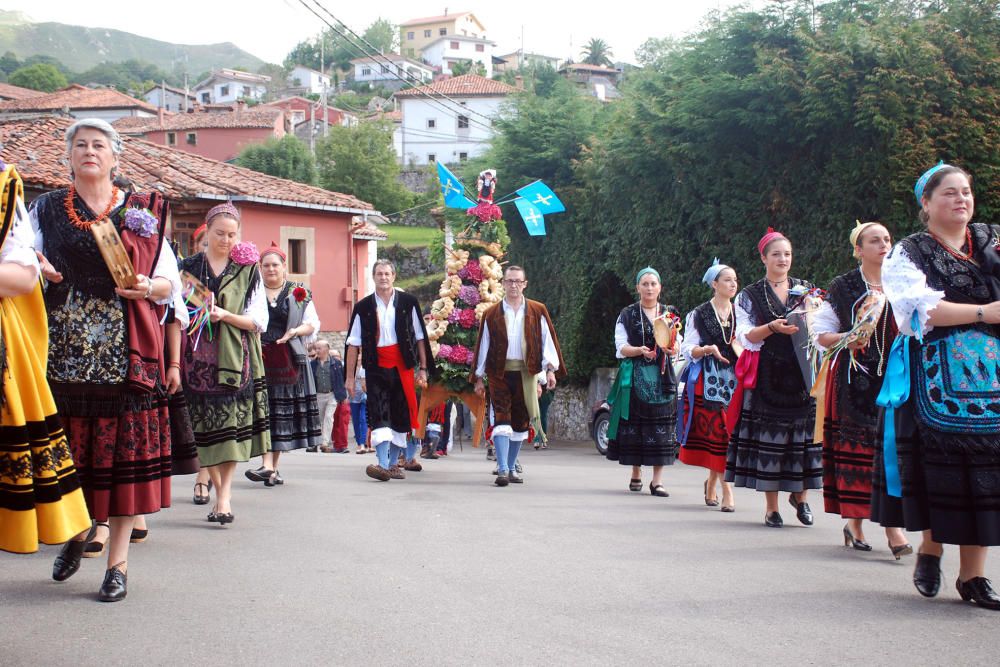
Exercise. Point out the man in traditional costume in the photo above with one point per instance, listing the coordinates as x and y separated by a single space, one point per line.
516 343
388 327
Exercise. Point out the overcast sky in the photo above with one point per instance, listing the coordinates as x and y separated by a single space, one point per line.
270 28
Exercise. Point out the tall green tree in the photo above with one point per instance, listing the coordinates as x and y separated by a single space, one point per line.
286 158
360 161
383 34
797 116
40 76
597 52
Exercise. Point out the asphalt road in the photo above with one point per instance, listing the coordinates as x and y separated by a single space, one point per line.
443 568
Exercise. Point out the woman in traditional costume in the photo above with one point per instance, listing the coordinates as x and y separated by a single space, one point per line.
855 325
105 362
40 495
772 416
942 428
223 371
643 400
291 389
710 348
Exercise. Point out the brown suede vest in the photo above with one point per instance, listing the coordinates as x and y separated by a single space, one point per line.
496 357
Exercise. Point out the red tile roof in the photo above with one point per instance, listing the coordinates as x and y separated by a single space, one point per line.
247 118
466 85
366 230
37 147
9 92
77 97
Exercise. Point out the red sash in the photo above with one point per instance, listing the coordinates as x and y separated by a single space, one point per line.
746 378
390 356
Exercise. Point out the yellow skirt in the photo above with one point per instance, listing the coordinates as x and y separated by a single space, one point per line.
40 495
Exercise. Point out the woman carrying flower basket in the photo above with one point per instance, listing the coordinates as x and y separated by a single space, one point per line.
291 388
105 363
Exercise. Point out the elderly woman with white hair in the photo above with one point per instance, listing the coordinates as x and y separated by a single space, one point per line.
105 362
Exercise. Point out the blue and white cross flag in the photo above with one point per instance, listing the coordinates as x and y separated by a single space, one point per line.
452 189
532 216
542 197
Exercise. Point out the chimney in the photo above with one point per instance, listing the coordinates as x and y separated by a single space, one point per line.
519 82
159 114
239 108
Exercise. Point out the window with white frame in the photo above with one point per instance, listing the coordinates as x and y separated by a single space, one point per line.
463 122
480 48
427 33
409 36
431 157
223 91
431 123
454 46
462 157
366 71
443 32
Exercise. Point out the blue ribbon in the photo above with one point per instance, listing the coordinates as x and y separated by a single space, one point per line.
895 392
690 379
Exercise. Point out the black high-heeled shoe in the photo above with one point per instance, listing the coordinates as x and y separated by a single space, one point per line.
658 490
635 484
68 561
851 541
224 518
978 590
114 587
927 575
901 550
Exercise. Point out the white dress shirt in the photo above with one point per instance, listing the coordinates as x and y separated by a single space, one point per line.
514 319
386 324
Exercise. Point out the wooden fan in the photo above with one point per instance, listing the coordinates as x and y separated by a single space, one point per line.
200 295
113 252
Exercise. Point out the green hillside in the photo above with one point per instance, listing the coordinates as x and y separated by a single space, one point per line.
81 48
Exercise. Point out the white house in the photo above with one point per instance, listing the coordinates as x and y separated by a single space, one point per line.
169 98
307 80
437 130
518 59
229 85
391 75
447 51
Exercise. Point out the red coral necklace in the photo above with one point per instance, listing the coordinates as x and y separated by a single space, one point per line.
951 251
74 217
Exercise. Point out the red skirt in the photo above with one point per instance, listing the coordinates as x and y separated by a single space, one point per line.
708 438
848 459
123 461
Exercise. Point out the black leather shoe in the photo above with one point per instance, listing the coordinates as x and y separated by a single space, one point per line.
802 511
68 560
113 588
978 590
224 517
927 575
773 520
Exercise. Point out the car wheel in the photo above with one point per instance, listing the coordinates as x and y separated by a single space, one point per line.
601 433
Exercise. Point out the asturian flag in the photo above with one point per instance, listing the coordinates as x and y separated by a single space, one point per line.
542 197
532 216
452 189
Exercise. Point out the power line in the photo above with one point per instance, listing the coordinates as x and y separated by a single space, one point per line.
407 79
378 53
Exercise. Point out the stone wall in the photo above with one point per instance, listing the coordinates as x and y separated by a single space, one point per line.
569 414
409 261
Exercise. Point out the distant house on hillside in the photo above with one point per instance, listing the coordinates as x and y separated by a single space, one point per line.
299 109
446 52
391 71
9 92
517 59
80 102
416 34
216 135
305 81
170 98
229 85
436 131
330 242
597 81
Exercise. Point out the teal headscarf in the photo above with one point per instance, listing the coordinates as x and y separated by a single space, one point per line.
643 272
